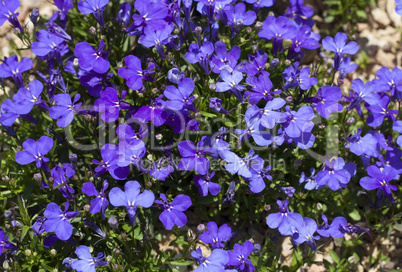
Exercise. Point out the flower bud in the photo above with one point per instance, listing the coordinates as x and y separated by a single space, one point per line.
289 99
274 63
319 206
149 184
267 207
258 25
6 265
350 120
116 251
37 177
288 62
73 159
159 136
198 30
53 252
113 223
256 249
87 207
34 16
109 258
201 227
28 252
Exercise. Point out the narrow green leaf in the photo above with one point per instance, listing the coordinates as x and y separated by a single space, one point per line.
334 256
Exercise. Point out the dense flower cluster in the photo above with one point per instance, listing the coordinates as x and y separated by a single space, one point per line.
207 92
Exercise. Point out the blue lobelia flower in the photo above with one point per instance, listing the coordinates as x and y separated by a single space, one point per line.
390 81
152 112
284 220
216 105
363 145
200 55
380 111
109 104
60 176
131 198
216 236
12 68
295 123
4 243
305 233
238 165
34 151
298 78
9 113
64 6
260 89
7 13
214 263
268 116
150 13
339 47
99 203
49 46
326 100
398 7
193 157
65 109
96 7
379 179
57 220
311 183
347 67
336 174
397 126
95 82
256 64
160 172
110 156
124 14
236 16
180 98
277 29
205 184
303 39
134 74
239 257
231 82
86 262
156 37
363 92
26 98
173 213
258 174
338 228
131 154
91 59
255 129
224 59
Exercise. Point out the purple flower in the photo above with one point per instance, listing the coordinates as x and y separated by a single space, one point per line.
58 221
109 104
152 112
380 111
238 165
223 59
298 78
258 174
339 47
49 46
366 92
215 104
363 145
305 233
277 29
99 203
64 6
397 126
12 68
94 81
390 81
326 100
398 7
86 262
338 228
7 13
160 172
181 97
347 67
200 54
25 99
96 7
303 39
311 183
284 220
123 16
34 151
109 162
131 198
336 174
231 82
216 236
294 123
65 109
379 179
192 157
156 37
134 73
237 15
4 243
9 113
60 176
173 213
268 116
260 89
256 64
254 129
214 263
91 59
204 184
151 13
239 256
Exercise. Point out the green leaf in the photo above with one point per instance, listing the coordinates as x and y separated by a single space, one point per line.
334 256
207 114
398 227
355 215
24 232
181 263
